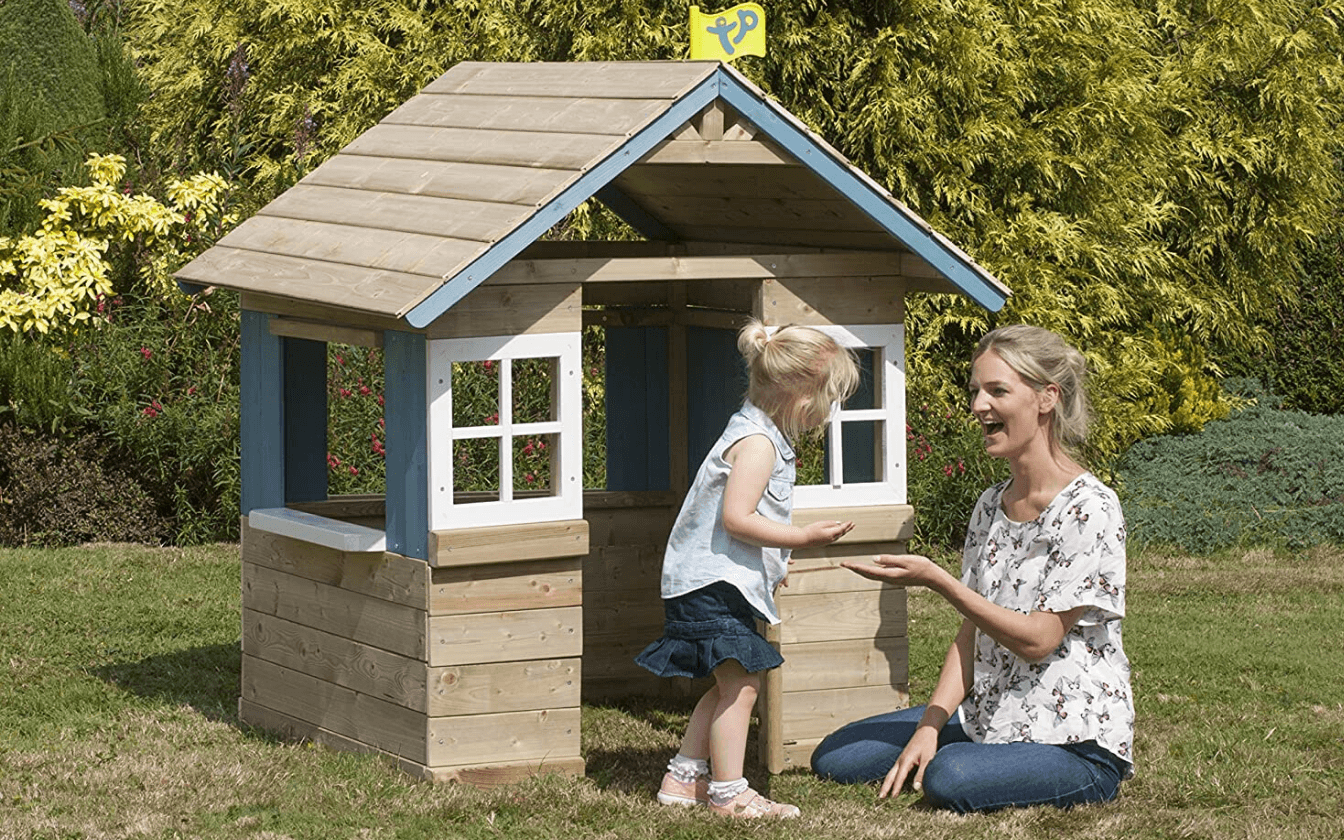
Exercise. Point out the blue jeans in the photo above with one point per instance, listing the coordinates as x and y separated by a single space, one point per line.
965 776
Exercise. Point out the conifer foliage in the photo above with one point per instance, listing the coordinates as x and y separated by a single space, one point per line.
1140 174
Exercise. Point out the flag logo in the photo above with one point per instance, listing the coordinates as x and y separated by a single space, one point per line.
728 34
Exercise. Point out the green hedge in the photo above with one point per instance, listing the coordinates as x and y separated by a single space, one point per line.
1263 476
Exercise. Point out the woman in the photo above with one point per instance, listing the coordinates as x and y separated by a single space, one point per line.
1033 704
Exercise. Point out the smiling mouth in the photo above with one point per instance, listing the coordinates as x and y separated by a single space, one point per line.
991 428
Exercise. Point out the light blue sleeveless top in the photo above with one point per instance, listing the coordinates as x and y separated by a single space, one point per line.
699 550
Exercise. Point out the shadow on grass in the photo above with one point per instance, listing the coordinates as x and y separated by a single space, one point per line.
203 678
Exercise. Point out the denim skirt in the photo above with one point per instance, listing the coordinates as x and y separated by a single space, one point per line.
703 628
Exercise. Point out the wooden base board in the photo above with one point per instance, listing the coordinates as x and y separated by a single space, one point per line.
477 775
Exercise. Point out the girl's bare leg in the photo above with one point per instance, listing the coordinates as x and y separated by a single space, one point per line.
695 743
731 718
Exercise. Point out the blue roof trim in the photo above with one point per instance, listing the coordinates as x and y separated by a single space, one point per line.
638 145
913 233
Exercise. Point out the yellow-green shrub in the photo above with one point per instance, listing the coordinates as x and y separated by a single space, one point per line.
52 280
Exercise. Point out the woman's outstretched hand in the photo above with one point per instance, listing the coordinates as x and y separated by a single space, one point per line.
917 754
900 569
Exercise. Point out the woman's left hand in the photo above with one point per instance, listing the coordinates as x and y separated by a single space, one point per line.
900 569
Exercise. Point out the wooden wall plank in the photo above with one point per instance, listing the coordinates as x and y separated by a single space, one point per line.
368 720
509 543
749 211
816 714
504 687
466 639
512 310
334 659
637 613
756 152
841 615
314 331
878 523
818 572
872 238
769 181
832 300
570 152
527 185
383 575
696 270
505 737
343 242
550 114
844 664
621 568
494 774
370 214
507 587
351 615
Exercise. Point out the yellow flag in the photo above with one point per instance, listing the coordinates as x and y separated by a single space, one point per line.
731 33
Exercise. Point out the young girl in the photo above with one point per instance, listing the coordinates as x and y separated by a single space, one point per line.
729 550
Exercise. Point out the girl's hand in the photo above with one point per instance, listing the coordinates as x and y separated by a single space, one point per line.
900 569
916 756
825 532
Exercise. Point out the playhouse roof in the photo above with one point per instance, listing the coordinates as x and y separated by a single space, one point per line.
451 186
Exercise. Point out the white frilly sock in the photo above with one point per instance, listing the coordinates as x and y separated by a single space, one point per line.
685 769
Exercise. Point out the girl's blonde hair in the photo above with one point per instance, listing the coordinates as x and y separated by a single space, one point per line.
1042 358
796 374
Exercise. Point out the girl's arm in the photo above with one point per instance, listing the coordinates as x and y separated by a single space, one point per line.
954 681
751 461
1032 636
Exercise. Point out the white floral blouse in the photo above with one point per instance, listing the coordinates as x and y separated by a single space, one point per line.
1072 555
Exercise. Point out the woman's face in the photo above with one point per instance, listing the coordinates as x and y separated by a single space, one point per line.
1012 414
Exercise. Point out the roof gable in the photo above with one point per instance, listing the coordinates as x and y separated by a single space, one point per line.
448 188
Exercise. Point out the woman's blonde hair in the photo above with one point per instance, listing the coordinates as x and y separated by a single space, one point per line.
796 374
1042 358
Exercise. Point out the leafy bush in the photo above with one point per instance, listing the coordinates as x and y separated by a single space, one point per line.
55 492
948 470
1263 476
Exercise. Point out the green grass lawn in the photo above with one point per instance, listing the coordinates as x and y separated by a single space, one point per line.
119 679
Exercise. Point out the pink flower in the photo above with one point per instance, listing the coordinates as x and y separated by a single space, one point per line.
531 479
354 470
364 390
345 392
493 419
380 402
527 450
489 365
146 352
947 470
340 360
382 424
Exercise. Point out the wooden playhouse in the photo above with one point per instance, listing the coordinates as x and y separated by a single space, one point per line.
459 632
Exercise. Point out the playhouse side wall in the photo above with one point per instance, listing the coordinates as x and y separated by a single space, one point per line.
468 673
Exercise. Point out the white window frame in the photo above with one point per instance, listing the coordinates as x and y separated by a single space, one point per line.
566 500
888 343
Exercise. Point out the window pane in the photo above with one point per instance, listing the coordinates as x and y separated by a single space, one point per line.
862 442
866 395
476 470
533 464
475 394
534 390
